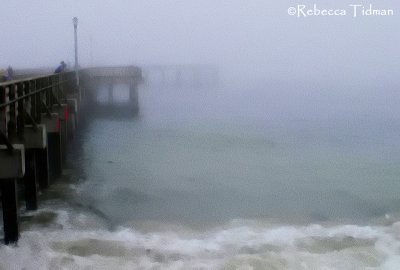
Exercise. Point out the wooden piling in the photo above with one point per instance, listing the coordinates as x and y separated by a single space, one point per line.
54 149
42 162
10 210
31 196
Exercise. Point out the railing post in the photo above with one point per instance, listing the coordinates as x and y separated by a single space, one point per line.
20 111
12 121
3 116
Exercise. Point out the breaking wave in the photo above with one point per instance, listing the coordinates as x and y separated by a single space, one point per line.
64 239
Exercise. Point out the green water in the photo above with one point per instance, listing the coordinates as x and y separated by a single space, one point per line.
198 156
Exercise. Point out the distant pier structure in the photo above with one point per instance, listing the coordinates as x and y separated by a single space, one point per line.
190 75
98 78
39 114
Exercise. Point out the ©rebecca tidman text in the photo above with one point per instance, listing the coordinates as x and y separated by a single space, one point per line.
354 10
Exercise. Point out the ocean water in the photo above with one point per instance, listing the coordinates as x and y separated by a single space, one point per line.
263 176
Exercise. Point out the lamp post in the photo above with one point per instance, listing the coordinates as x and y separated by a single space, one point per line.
75 21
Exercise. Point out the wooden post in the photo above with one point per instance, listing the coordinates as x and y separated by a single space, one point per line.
10 210
54 149
30 176
42 162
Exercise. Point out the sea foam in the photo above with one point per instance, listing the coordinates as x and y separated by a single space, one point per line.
75 242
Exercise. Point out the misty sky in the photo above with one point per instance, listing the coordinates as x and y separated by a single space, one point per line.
250 39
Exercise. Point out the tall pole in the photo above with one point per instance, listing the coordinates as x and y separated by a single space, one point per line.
75 21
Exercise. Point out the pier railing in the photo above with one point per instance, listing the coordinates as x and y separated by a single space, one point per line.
23 102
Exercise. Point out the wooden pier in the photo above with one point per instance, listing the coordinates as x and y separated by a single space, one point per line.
38 117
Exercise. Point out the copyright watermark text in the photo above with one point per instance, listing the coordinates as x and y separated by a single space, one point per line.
352 10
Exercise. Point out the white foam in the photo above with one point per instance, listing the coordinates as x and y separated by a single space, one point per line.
233 246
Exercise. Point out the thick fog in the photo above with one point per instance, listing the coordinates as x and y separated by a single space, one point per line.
252 40
302 128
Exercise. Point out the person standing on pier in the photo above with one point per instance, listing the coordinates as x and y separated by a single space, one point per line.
8 74
61 67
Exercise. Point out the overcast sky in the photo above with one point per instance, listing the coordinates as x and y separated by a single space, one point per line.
252 38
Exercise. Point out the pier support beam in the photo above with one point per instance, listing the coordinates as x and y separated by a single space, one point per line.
36 148
31 196
55 157
53 143
42 162
9 201
12 166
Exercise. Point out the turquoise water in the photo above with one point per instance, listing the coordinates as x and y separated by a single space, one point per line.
228 178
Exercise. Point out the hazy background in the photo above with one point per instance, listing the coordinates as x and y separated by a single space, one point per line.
305 129
250 40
